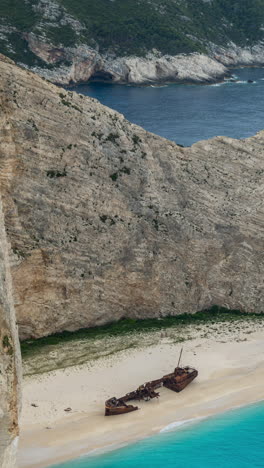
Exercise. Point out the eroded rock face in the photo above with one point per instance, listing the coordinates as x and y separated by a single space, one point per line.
83 63
238 56
106 220
10 366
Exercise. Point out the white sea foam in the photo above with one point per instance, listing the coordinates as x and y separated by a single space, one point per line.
158 86
219 84
177 424
233 82
244 82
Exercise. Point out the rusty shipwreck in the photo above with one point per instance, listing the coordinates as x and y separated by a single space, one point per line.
175 381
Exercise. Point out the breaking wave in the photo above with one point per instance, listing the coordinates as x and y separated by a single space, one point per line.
176 424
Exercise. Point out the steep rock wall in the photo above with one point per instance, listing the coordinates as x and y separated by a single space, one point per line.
106 220
10 366
85 64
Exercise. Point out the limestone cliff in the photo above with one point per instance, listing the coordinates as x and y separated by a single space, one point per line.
106 220
86 64
10 366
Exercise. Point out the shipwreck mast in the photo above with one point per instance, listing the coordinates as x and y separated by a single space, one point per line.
179 358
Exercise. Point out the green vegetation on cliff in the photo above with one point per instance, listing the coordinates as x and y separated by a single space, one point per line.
128 27
172 27
126 326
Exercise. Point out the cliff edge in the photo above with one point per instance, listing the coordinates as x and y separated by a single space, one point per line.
106 220
10 365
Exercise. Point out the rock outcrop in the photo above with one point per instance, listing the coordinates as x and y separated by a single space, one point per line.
235 56
10 366
86 64
106 220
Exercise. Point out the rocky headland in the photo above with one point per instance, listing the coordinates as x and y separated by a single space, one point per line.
154 42
106 220
86 64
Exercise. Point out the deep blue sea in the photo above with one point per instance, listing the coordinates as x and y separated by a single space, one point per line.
232 440
188 113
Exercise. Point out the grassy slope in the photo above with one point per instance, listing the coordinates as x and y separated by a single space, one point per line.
137 26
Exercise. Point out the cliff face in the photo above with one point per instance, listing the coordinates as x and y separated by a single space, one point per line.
85 64
106 220
150 41
10 366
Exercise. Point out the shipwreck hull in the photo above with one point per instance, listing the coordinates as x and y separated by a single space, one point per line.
177 384
114 411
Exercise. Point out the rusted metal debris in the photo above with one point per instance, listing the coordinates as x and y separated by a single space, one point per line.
176 381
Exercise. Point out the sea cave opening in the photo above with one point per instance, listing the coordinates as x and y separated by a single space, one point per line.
102 76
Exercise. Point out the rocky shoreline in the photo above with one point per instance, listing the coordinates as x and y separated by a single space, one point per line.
82 64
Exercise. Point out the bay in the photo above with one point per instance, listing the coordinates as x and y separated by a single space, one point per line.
189 113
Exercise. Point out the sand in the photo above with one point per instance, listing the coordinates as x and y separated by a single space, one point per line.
231 374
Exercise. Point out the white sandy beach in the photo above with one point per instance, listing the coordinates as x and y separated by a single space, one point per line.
231 374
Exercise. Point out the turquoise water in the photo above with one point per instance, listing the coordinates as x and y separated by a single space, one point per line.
232 440
186 114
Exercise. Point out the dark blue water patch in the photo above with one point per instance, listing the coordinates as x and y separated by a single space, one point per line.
189 113
232 440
